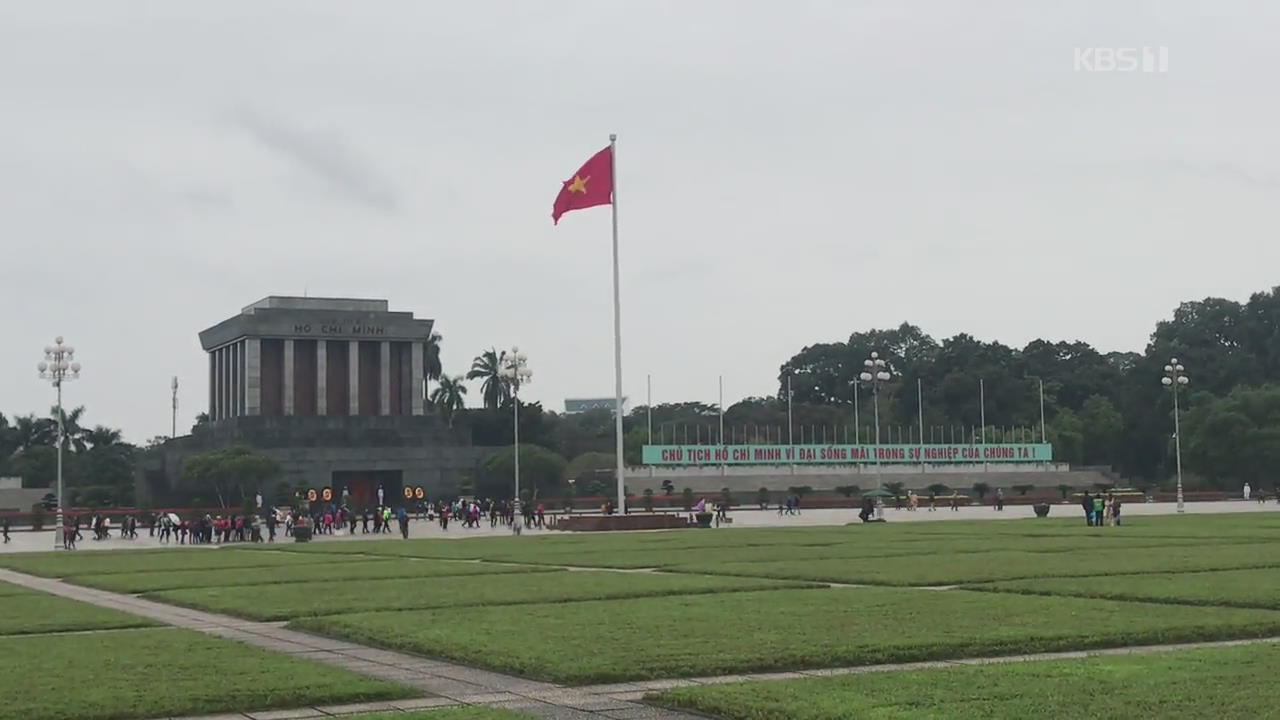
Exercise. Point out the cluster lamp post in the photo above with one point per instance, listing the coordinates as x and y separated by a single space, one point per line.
58 367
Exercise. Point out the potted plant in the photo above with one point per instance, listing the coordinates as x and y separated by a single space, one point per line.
302 530
704 519
1041 508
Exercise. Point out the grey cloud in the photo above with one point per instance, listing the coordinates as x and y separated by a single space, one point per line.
324 155
1233 173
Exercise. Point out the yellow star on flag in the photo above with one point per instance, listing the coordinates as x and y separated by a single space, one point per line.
579 184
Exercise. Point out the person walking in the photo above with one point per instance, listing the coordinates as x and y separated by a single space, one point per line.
1247 491
1115 512
1097 510
403 518
4 527
999 499
1087 504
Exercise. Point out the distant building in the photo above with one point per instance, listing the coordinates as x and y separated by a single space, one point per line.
573 406
332 388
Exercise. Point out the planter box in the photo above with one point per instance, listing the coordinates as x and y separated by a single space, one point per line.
622 522
1042 509
302 533
704 519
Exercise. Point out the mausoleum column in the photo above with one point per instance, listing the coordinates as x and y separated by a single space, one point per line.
384 378
288 377
253 376
322 378
217 385
353 375
416 376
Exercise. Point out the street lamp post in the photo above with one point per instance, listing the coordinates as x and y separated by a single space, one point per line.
875 372
1175 379
57 367
515 368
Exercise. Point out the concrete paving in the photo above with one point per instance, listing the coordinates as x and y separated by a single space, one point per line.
23 541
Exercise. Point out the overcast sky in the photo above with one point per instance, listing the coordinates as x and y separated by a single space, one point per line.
788 173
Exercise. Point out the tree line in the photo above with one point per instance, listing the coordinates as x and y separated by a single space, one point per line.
97 463
1101 408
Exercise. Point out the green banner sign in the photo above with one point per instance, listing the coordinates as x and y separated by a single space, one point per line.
845 454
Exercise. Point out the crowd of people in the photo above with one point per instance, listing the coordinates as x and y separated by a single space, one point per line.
471 512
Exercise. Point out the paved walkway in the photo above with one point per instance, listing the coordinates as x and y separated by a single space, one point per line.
448 683
744 518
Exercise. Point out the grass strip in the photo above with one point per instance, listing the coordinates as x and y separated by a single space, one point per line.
165 672
692 635
959 568
338 572
33 613
202 557
1202 683
298 600
1259 588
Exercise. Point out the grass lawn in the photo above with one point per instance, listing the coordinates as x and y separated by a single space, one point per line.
284 602
941 568
1243 588
1191 684
34 612
159 673
335 572
1068 520
202 557
680 636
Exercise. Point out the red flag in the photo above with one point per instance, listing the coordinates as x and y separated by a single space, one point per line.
592 185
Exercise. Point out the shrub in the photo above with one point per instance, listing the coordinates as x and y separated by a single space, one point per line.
938 489
800 490
37 516
1065 490
687 496
1023 489
981 489
726 497
848 490
668 488
895 487
648 499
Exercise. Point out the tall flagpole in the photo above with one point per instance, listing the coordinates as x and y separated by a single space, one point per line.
617 329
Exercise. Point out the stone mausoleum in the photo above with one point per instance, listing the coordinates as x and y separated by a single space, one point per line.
333 389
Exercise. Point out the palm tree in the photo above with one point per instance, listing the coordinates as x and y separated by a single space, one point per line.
448 397
431 358
495 389
431 368
8 438
30 431
101 436
71 428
